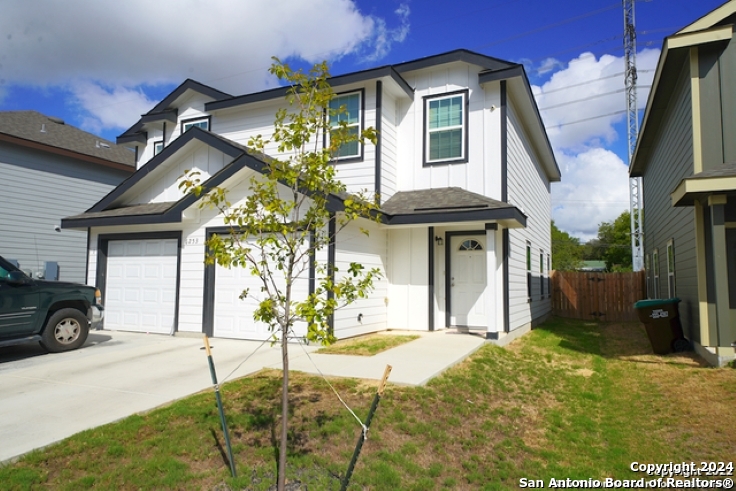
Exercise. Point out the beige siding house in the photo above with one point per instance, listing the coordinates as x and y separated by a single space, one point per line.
686 156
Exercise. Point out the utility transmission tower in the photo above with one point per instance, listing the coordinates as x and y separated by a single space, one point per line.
632 119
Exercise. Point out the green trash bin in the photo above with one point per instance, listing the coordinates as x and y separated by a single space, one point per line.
661 320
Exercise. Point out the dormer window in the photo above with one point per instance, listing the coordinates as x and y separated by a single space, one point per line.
446 128
203 123
158 147
352 105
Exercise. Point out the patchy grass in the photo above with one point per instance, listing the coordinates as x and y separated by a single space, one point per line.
367 345
570 399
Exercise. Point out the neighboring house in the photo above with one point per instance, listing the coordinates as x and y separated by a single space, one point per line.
593 266
686 156
50 170
465 234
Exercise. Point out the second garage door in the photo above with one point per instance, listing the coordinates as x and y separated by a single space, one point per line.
233 317
140 291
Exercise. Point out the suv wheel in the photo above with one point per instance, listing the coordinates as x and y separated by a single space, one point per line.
66 329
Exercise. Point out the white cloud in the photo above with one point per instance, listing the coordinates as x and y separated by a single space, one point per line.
385 37
580 105
109 107
225 43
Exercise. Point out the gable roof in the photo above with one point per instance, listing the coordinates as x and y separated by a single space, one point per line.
35 130
164 112
716 26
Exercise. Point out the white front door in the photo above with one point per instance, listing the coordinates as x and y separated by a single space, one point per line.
468 281
140 291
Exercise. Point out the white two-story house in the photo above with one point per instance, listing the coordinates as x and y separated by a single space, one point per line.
462 166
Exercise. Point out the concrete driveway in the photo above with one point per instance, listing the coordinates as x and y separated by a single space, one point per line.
45 398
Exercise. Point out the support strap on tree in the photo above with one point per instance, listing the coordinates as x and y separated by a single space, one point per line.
364 434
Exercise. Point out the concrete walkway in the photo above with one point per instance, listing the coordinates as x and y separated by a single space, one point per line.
45 398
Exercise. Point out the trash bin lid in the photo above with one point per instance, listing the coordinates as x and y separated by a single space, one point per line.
642 304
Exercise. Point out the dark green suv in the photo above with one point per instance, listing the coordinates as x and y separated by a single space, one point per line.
59 315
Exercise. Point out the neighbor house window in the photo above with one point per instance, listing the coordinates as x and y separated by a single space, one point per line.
671 268
346 108
446 128
655 273
203 123
529 271
158 147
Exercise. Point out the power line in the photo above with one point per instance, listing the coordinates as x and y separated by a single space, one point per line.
615 113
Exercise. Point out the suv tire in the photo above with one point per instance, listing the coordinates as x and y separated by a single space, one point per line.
66 329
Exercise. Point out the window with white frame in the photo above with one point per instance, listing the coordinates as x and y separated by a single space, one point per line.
346 109
203 123
158 147
446 128
655 273
671 268
648 272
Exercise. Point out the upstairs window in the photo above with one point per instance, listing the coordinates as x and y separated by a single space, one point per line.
158 147
347 108
445 123
203 123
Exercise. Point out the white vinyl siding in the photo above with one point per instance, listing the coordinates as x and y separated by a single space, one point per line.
372 252
389 148
407 279
528 189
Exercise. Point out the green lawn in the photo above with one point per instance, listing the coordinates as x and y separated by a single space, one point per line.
367 345
570 399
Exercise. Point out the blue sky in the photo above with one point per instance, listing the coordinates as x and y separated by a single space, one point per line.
99 65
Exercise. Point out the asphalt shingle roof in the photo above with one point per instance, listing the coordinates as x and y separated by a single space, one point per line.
129 210
725 170
36 127
440 199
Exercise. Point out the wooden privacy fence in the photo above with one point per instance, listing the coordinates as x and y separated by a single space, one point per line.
597 296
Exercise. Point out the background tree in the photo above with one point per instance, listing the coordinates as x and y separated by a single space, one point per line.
277 228
567 253
615 241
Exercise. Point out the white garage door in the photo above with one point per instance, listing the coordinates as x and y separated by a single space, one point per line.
140 292
233 317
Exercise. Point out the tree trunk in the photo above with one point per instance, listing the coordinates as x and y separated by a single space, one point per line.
284 412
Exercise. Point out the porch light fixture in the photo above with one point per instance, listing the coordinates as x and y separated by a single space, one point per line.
439 240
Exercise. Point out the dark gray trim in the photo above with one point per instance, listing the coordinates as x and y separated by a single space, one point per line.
208 287
195 133
463 55
156 142
448 269
169 115
504 144
190 120
136 155
379 117
430 280
350 78
506 298
491 226
163 134
102 253
137 137
425 141
331 231
503 74
483 215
